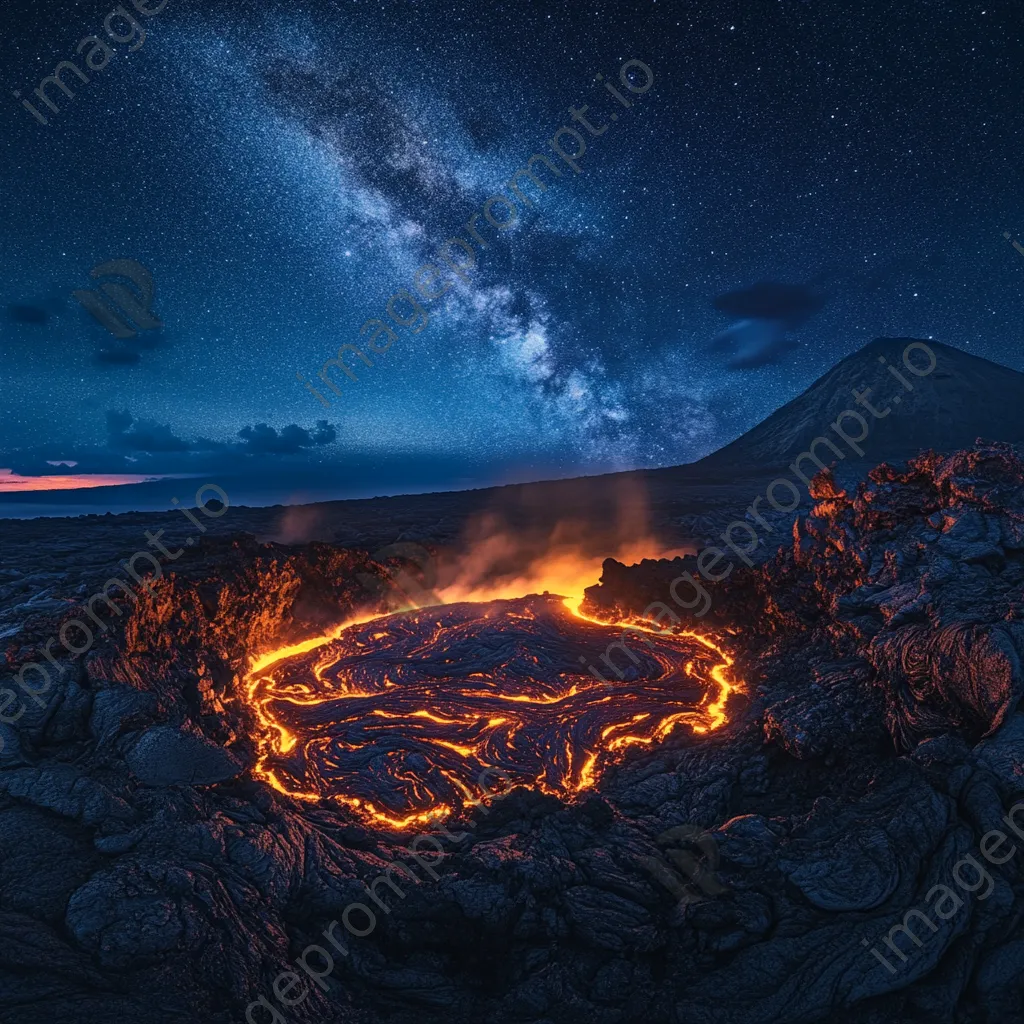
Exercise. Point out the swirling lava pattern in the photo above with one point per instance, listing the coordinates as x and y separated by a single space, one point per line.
397 717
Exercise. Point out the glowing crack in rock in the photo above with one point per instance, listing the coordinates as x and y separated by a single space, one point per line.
396 716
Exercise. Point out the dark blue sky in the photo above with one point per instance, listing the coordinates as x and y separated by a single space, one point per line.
282 169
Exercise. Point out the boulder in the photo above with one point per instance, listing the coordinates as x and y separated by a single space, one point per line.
165 756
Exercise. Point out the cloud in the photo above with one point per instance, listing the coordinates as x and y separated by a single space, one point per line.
768 300
142 449
265 440
25 314
116 357
125 434
753 343
768 311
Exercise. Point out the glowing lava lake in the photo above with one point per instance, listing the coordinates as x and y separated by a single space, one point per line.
396 716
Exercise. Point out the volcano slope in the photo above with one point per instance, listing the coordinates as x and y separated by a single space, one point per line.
151 871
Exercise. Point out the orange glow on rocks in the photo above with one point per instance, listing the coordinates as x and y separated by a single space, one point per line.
566 562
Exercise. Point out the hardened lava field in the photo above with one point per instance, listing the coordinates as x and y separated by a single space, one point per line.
397 717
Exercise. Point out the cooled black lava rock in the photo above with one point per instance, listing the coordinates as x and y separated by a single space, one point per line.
164 756
743 876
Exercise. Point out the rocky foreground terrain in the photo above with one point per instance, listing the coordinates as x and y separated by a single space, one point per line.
744 875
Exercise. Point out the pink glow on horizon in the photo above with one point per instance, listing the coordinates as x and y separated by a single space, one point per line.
11 481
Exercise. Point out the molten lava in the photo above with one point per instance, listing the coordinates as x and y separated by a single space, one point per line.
395 716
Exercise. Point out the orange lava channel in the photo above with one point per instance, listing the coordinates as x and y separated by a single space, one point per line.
477 731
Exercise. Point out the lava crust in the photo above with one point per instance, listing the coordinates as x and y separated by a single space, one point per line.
397 718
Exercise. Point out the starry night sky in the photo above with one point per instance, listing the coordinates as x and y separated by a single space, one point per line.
283 169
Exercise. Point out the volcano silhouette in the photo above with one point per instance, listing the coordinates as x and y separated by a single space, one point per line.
963 398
